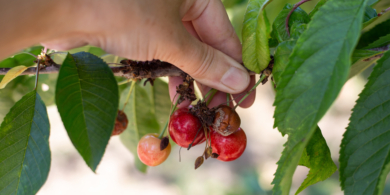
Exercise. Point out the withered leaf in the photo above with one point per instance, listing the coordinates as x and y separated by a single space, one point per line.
199 161
208 152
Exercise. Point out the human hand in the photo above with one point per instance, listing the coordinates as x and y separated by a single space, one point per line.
195 35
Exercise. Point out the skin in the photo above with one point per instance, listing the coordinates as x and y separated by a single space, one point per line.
195 35
149 152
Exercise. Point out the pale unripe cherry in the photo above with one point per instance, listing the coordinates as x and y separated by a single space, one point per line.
149 152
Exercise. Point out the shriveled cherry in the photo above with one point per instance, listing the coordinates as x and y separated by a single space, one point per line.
149 152
226 120
120 123
183 128
228 147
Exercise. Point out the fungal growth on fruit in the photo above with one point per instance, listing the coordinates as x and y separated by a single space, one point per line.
121 123
226 120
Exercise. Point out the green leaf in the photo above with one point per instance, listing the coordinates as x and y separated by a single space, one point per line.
317 69
372 2
87 100
278 27
369 14
365 148
281 56
364 54
297 30
160 100
317 7
376 37
90 49
255 34
316 155
24 146
317 158
21 58
141 121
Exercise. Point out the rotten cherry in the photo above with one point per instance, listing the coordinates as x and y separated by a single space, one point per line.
226 120
120 123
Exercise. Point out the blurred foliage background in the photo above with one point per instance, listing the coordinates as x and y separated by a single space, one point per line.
250 174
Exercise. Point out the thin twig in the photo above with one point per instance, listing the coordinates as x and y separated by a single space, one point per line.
117 70
384 11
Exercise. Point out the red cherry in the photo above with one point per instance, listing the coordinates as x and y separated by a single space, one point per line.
228 147
149 152
183 127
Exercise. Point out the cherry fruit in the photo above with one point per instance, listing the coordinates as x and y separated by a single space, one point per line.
228 147
184 127
226 120
120 123
149 152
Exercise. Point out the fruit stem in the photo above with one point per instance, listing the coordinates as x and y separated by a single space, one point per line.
128 95
291 11
166 124
209 92
212 92
228 99
263 76
38 67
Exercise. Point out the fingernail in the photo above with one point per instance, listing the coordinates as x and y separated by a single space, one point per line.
235 79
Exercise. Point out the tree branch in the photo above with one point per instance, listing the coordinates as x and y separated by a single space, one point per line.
132 70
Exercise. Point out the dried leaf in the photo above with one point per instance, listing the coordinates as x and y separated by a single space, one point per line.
199 161
208 152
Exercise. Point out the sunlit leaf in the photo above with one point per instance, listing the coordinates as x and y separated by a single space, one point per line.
364 155
11 74
24 145
87 100
255 34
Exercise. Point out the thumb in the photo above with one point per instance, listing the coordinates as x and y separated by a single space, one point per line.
208 65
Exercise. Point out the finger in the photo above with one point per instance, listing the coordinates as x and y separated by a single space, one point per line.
173 82
67 42
205 64
212 24
250 99
190 28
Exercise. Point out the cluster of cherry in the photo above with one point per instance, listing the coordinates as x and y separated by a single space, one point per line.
219 127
